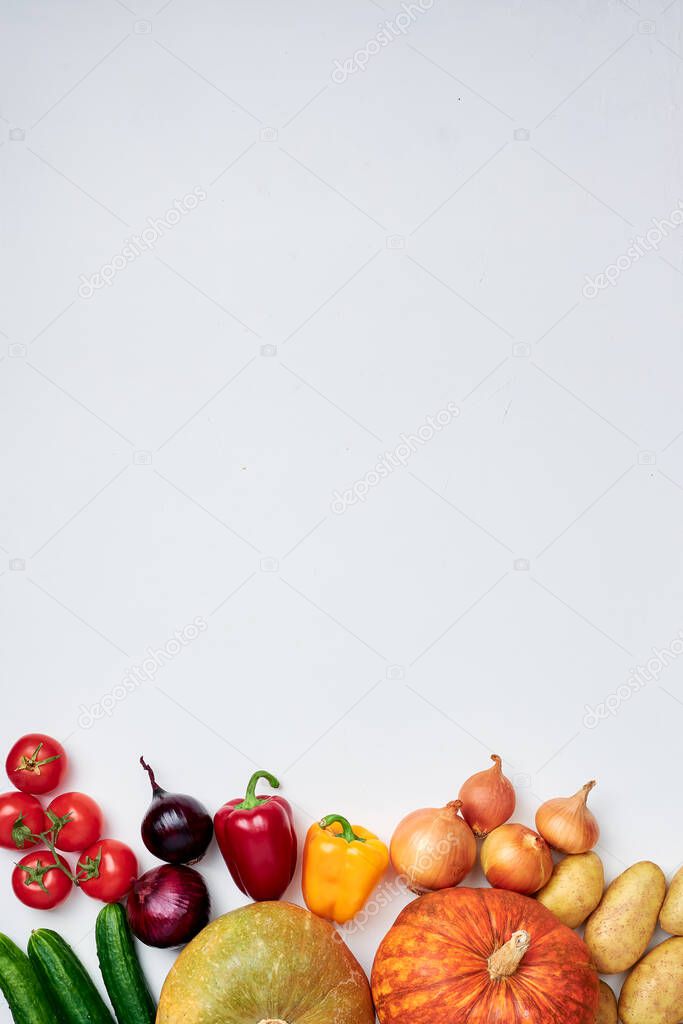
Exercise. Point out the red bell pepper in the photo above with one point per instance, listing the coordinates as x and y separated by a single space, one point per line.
257 839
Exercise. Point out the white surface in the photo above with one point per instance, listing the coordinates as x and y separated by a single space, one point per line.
402 248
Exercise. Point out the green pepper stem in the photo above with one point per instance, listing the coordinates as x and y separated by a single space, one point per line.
347 831
250 799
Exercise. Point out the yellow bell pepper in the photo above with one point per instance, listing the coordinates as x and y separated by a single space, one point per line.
342 865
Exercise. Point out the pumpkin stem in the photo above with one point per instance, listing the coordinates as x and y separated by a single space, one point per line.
507 958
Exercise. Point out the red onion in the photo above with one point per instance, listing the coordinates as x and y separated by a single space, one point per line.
176 828
168 906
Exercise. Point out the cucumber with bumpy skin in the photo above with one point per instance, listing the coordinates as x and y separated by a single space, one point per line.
123 977
66 980
25 995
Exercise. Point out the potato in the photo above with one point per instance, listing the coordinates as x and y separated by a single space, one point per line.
671 917
607 1007
653 991
618 932
575 888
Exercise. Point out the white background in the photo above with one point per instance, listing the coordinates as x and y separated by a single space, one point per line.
368 251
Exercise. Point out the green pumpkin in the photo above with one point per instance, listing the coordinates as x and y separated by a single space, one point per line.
268 963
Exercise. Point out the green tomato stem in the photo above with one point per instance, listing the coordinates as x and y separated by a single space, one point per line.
251 800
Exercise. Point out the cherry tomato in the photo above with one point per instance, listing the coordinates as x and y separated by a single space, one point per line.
39 883
80 819
20 816
36 763
107 870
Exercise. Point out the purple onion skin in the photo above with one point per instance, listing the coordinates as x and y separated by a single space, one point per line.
176 828
168 906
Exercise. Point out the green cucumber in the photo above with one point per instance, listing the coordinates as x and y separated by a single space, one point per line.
123 977
21 986
67 982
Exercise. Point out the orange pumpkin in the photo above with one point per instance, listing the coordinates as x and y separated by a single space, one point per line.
482 956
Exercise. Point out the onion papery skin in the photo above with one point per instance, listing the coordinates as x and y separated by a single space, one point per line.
567 823
488 799
168 906
433 848
515 857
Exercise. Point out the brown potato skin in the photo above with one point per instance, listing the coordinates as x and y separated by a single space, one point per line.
619 931
575 888
671 917
653 991
607 1007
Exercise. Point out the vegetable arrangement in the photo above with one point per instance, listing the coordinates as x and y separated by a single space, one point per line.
72 822
455 955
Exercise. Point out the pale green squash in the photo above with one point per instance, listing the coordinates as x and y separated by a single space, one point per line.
267 963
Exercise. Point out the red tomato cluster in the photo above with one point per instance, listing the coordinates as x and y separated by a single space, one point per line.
72 823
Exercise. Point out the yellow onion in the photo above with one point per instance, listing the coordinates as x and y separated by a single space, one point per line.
567 824
433 848
488 799
515 857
